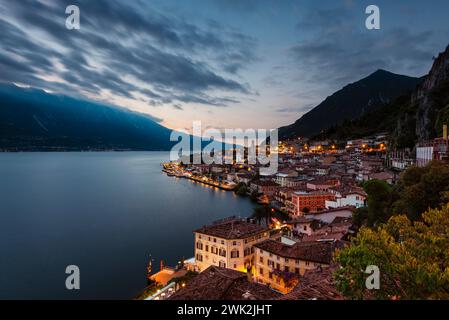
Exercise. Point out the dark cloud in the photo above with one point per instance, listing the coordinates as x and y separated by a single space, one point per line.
340 50
118 47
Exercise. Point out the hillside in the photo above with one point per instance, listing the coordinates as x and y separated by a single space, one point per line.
32 119
351 102
411 118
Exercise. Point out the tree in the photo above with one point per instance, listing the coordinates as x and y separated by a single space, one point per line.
241 189
254 195
379 201
413 259
422 188
262 213
305 210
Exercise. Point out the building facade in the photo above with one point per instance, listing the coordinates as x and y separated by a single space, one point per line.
310 201
228 244
279 264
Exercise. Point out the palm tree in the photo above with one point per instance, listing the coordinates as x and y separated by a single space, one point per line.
262 213
259 214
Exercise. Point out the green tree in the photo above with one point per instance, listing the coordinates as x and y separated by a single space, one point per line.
254 195
378 201
413 259
422 188
241 189
262 213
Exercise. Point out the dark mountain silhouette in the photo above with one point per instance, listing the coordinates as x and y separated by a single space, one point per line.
413 117
32 119
351 102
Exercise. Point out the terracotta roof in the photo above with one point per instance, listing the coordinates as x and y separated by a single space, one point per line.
320 252
316 284
216 283
265 183
232 229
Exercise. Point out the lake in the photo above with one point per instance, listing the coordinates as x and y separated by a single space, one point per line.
105 212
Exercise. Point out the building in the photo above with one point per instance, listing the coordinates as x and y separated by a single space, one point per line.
228 244
350 198
266 187
310 201
438 149
217 283
279 264
289 179
322 184
318 284
384 176
330 215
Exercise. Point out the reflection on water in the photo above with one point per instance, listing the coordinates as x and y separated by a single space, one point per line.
104 212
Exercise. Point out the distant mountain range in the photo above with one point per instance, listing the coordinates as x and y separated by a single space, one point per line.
351 102
32 119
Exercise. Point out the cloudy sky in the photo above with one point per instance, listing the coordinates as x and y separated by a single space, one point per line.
228 63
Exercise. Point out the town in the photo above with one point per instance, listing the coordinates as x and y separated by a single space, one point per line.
285 250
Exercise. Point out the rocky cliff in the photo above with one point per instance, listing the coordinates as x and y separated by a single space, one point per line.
432 98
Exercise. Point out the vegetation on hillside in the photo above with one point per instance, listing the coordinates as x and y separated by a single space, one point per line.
405 233
412 257
417 190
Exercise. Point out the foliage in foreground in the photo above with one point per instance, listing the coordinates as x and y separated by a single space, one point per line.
413 258
417 190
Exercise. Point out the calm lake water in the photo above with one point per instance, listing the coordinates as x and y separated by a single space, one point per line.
104 212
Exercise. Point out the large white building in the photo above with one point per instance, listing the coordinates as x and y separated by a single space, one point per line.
349 199
229 244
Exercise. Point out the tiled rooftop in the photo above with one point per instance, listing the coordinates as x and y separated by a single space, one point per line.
232 229
315 285
320 252
216 283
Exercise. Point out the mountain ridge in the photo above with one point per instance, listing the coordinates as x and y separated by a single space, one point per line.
351 102
32 119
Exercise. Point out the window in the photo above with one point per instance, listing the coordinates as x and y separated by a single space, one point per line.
297 261
215 239
199 245
270 275
199 257
261 271
222 252
297 270
286 260
234 243
207 248
222 264
307 263
261 259
286 269
270 263
234 253
247 252
222 242
278 266
214 250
